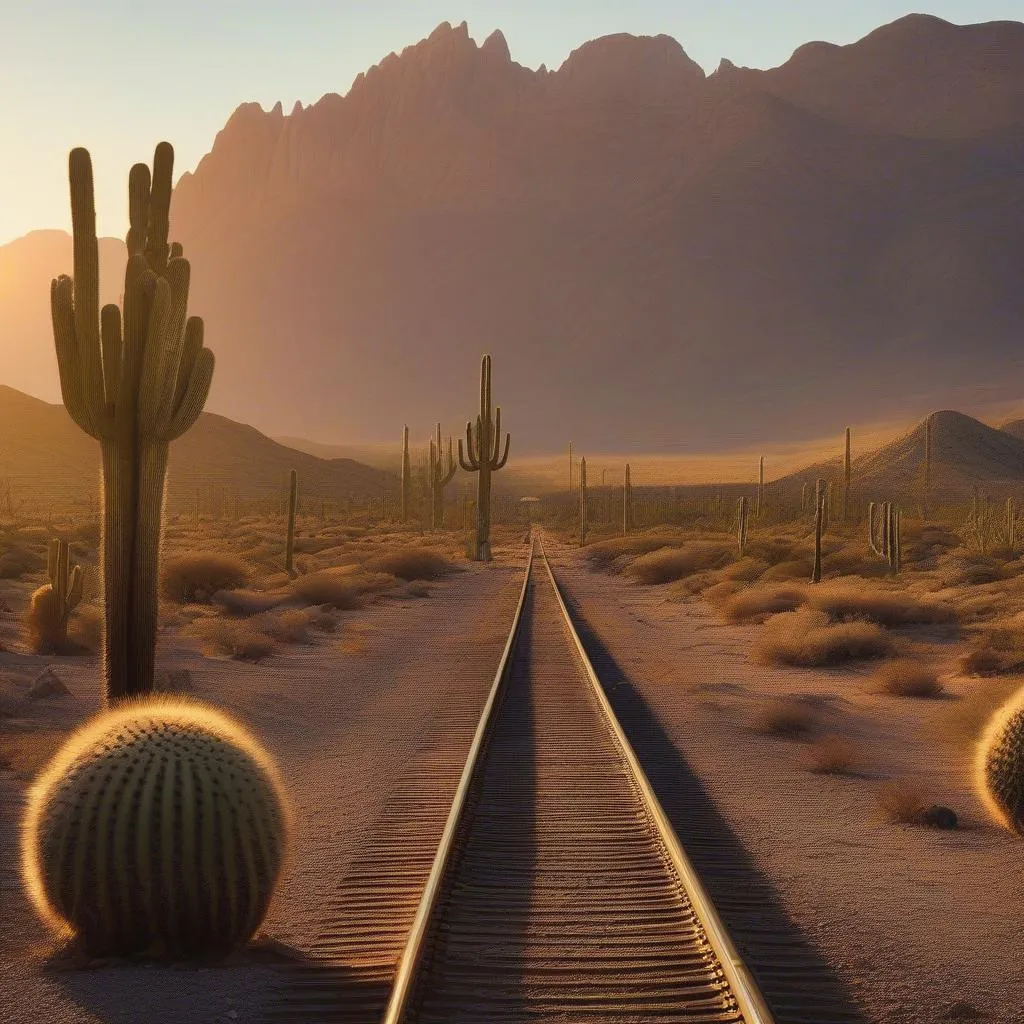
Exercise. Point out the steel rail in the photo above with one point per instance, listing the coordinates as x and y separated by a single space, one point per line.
744 988
405 974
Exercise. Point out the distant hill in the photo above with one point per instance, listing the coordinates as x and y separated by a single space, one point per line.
380 456
45 457
651 254
965 453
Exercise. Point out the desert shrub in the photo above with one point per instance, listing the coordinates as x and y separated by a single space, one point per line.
993 652
604 553
412 564
901 802
322 620
905 677
744 570
287 627
807 639
85 628
342 592
784 716
775 550
718 594
972 570
243 603
671 564
418 589
884 607
757 604
241 639
797 569
196 575
15 562
831 755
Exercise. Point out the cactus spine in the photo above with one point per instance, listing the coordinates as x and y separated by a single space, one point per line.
483 455
160 828
627 504
819 525
583 502
135 382
406 477
741 528
847 473
441 474
293 501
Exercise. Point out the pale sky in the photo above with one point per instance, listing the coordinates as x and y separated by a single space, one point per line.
117 76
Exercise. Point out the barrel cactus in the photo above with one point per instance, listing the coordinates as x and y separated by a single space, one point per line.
159 830
1000 764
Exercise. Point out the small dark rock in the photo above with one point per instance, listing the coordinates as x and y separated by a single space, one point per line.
940 817
47 684
962 1010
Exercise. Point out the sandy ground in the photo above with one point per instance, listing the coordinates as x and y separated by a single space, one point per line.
344 715
920 925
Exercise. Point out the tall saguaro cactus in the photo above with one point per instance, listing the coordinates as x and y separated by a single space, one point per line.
627 504
293 500
583 502
135 381
760 487
741 526
819 523
927 467
441 473
483 455
847 474
406 476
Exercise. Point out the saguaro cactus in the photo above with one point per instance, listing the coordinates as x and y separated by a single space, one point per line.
927 467
760 486
293 501
481 455
570 467
441 473
893 546
627 504
406 477
741 528
847 467
819 524
135 382
873 528
52 604
583 502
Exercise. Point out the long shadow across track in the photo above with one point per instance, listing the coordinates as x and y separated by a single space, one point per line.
560 893
559 890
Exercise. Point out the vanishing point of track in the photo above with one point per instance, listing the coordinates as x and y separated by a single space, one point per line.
558 890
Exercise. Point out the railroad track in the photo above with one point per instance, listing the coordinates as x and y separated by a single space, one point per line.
559 891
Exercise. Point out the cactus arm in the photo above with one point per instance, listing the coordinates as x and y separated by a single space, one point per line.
468 460
194 395
500 464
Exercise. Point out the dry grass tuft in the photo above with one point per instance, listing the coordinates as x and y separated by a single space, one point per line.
243 603
883 607
342 592
756 605
670 564
901 802
806 638
413 564
905 677
197 575
994 652
85 630
605 553
241 639
796 569
831 755
784 716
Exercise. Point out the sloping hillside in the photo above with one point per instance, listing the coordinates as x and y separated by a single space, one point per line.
45 457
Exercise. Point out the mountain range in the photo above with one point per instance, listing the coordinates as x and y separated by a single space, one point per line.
653 256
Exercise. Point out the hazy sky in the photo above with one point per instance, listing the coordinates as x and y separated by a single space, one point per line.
119 75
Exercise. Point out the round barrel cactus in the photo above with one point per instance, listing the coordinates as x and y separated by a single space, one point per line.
1000 764
160 829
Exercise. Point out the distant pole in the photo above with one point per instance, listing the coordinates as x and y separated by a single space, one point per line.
846 485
